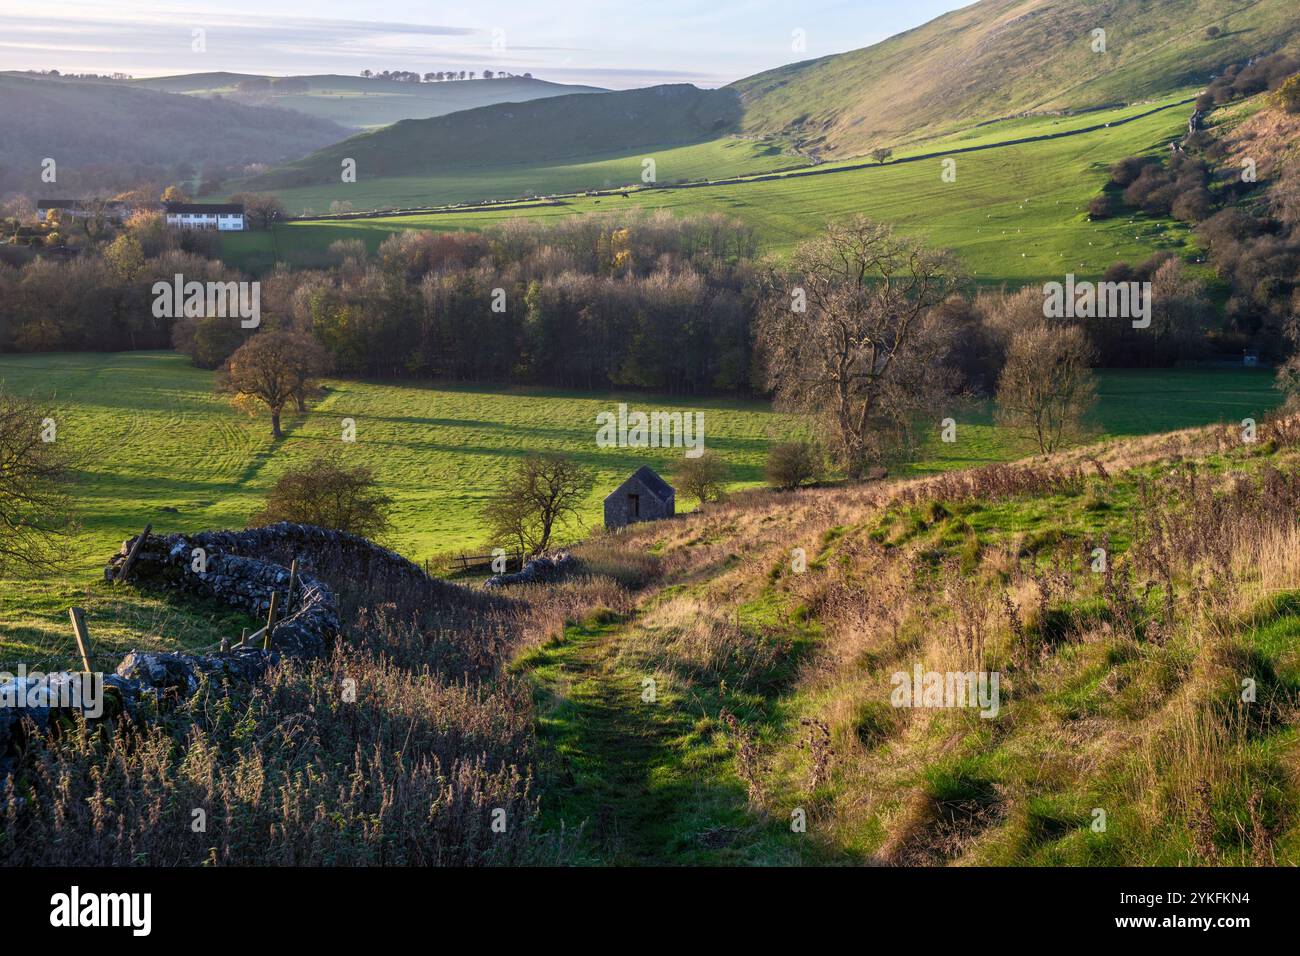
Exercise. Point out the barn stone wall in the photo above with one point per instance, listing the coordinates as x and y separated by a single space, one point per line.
618 512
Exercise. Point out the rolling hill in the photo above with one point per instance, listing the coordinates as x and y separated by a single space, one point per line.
991 61
548 130
1015 214
1000 58
365 102
92 129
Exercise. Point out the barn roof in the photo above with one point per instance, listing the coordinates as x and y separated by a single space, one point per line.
650 478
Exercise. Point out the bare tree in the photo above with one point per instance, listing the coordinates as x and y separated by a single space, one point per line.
33 506
849 338
273 368
260 209
540 494
307 364
1047 387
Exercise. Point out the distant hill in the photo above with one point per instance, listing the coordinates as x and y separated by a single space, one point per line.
113 133
999 58
992 60
554 129
360 102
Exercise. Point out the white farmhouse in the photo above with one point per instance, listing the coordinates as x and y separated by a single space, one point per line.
225 217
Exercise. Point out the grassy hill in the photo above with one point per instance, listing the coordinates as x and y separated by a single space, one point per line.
1015 213
1120 734
87 126
152 443
365 103
543 131
1000 58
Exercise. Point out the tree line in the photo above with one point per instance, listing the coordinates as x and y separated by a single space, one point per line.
643 301
440 76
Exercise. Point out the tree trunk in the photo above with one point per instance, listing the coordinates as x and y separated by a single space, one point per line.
275 423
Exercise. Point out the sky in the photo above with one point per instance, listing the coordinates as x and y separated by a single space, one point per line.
617 44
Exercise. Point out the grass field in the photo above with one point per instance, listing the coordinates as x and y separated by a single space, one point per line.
152 443
1014 214
730 157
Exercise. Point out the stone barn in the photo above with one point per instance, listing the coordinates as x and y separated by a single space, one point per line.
643 497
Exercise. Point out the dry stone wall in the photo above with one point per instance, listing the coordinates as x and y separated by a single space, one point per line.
240 569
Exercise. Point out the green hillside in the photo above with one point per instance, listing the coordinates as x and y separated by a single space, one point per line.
1104 722
1015 213
366 102
571 128
1000 58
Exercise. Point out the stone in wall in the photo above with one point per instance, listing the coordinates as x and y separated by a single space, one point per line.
241 570
547 568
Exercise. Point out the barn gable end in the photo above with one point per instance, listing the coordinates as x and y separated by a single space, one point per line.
644 496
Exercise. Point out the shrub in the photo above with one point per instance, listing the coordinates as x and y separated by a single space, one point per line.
703 478
207 341
1289 94
1102 206
1124 173
792 464
328 495
1195 205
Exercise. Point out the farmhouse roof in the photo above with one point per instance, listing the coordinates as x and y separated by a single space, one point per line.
226 208
650 478
78 203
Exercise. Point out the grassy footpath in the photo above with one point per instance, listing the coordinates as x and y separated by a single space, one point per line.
1122 736
640 759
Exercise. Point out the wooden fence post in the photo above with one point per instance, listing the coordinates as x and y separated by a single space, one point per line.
293 581
125 569
270 620
83 636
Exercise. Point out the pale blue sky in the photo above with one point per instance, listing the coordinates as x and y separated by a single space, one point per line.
613 43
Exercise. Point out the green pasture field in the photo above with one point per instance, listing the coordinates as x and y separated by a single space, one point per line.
1015 214
731 156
